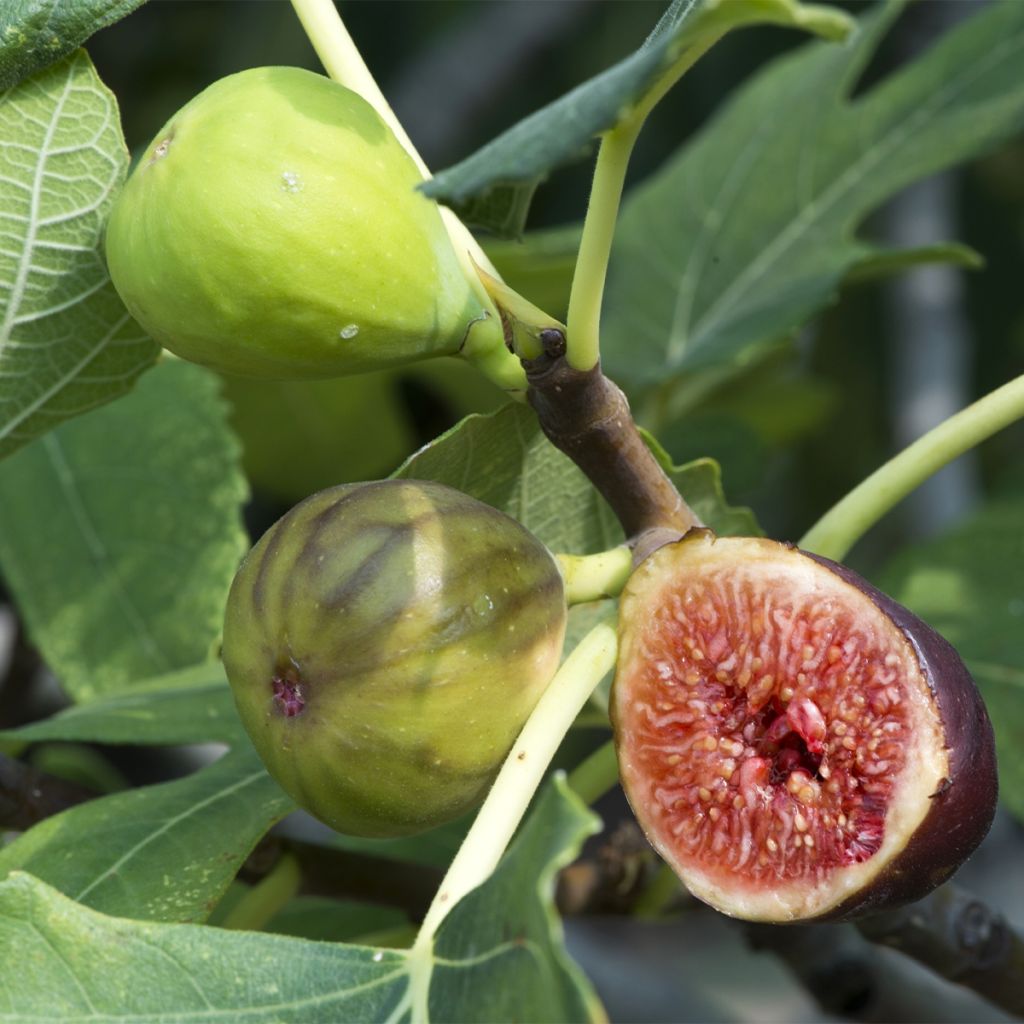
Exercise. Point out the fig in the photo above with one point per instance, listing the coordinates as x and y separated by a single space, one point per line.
385 642
273 229
794 743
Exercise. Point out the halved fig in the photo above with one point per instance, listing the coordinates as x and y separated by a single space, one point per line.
794 743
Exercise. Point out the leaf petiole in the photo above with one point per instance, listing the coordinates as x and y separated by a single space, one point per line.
848 520
259 905
593 577
584 319
520 775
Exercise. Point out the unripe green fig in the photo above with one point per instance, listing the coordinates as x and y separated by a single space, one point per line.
273 229
385 643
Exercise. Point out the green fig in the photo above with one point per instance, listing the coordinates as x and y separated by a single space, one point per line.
273 229
385 642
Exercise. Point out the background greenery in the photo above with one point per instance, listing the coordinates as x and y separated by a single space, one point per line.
793 431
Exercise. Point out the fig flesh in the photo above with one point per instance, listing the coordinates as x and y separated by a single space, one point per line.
794 743
273 229
385 643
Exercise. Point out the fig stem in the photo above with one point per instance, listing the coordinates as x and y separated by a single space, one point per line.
269 895
520 775
847 521
961 939
595 577
587 292
584 415
344 63
663 891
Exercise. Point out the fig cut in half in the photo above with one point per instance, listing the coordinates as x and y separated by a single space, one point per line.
794 743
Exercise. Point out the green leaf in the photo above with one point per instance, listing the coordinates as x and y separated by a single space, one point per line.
504 460
67 344
749 230
191 706
960 585
125 575
501 955
701 483
159 853
35 33
886 262
493 187
77 965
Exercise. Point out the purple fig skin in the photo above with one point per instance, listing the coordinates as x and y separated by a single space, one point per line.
963 809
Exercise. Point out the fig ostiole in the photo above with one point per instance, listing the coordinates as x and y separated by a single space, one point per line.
273 228
385 643
794 743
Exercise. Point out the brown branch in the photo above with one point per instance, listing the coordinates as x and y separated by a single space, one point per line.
961 939
587 417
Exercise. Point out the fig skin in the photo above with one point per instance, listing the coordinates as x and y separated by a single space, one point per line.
385 643
273 229
962 811
942 796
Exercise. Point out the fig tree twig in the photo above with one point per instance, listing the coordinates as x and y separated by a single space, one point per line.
587 417
959 938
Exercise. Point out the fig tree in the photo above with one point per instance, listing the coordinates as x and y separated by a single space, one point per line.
794 743
385 643
273 229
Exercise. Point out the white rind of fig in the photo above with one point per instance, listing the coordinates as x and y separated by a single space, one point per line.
794 743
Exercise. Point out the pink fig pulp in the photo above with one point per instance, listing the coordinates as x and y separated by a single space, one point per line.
794 743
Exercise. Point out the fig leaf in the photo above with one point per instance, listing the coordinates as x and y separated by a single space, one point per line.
76 963
704 283
67 344
125 576
492 188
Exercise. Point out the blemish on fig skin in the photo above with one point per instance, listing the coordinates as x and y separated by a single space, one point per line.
288 698
160 151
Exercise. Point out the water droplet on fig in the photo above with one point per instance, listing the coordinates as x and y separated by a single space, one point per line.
291 182
349 331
